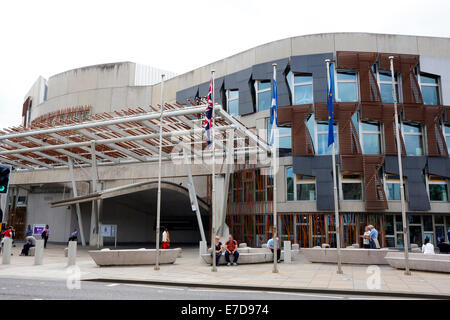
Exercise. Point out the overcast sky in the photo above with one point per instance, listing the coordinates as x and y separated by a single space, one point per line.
48 37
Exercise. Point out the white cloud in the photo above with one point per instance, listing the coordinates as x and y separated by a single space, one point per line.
47 37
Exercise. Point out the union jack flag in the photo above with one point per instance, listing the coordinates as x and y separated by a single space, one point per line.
208 114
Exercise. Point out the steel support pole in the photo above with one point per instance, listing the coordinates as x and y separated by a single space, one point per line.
213 180
335 194
274 174
158 208
77 205
94 213
400 169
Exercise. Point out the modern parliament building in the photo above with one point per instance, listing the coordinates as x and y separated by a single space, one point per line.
367 167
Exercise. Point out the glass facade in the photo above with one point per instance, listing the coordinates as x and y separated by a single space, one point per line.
284 141
429 85
346 86
263 95
412 136
233 102
322 139
371 137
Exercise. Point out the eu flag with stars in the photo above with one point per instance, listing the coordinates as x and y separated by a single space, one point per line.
330 94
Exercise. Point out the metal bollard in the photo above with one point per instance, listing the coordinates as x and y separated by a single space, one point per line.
39 252
287 252
6 251
72 253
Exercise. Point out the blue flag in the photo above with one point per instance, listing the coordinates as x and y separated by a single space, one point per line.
330 94
273 110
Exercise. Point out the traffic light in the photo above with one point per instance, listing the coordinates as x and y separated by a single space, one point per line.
5 172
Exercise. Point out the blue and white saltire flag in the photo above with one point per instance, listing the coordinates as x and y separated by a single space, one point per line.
273 111
330 94
208 114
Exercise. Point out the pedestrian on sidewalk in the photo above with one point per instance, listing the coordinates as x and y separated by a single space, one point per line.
165 240
374 244
231 247
428 247
7 234
271 246
30 242
366 238
74 235
218 248
45 234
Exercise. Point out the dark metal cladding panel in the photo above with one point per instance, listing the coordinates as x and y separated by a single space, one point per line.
241 81
321 168
314 64
413 168
439 166
296 117
264 71
185 94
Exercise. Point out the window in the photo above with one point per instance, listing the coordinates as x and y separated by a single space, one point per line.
321 138
370 137
437 187
284 141
447 136
412 135
384 79
429 85
351 186
306 187
346 86
263 95
393 187
300 187
233 102
301 88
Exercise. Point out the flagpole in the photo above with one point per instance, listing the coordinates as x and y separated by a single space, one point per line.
213 180
274 171
400 169
336 203
158 206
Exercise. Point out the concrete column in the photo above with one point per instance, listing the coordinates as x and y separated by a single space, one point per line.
72 253
3 207
39 252
6 251
287 252
203 247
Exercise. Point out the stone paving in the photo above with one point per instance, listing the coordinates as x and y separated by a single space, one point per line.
191 270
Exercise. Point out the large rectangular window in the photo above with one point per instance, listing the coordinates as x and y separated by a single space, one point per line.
285 139
346 86
233 102
370 137
384 79
263 95
437 187
447 136
412 135
300 187
429 85
351 186
303 88
392 188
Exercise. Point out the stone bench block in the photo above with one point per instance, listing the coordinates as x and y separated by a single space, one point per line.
255 255
351 255
31 251
420 261
132 257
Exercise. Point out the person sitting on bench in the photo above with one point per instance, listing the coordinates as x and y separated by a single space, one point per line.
231 247
270 245
74 236
30 242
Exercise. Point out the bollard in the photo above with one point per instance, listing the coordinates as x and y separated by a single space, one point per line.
39 252
287 252
203 248
72 253
6 251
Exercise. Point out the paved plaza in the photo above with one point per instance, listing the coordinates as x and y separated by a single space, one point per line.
189 269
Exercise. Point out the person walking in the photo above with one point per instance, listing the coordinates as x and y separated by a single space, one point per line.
366 238
374 244
428 247
231 247
45 234
270 245
218 248
165 240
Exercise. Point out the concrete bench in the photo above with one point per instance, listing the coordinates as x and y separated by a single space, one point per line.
130 257
420 261
349 255
179 251
246 256
31 251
